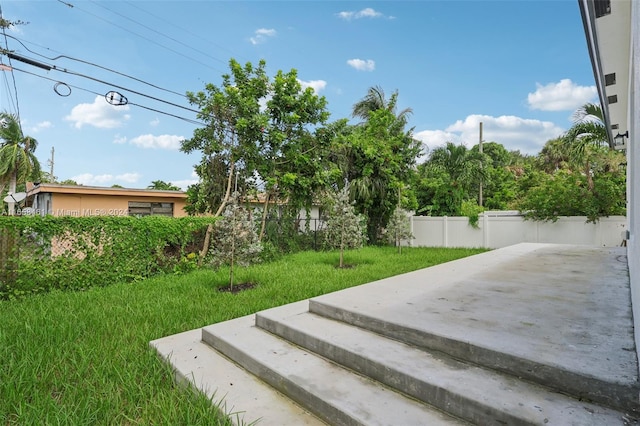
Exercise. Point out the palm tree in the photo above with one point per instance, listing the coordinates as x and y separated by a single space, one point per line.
586 137
462 169
18 161
554 155
371 183
375 100
163 186
461 164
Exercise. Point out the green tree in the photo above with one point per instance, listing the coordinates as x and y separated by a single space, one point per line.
398 228
236 240
233 128
555 155
376 158
450 176
18 162
586 137
567 192
375 100
257 131
345 229
291 147
500 170
227 142
163 186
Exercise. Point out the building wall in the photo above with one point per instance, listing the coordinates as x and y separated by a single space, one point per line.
105 205
633 174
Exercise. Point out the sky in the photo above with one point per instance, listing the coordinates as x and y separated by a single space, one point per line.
521 67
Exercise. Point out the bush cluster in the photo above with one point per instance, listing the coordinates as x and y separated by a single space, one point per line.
39 254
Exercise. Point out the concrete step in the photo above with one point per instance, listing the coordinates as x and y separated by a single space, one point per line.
610 392
478 395
334 394
243 397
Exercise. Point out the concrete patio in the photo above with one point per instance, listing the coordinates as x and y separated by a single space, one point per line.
527 334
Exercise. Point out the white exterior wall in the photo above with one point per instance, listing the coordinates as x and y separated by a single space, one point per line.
502 231
633 174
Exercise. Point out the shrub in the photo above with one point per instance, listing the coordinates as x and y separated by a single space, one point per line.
344 228
236 240
74 253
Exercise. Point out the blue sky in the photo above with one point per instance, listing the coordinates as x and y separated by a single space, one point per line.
520 67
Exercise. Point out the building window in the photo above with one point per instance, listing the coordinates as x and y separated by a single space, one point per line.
610 79
612 99
137 208
603 7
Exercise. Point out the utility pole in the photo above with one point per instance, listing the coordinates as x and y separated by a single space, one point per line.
51 165
480 150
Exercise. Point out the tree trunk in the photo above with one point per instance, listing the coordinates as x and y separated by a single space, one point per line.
590 184
207 237
12 189
233 252
264 216
342 248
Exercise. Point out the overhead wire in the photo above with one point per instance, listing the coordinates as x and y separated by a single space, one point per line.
157 32
188 120
94 65
13 77
139 35
184 30
67 71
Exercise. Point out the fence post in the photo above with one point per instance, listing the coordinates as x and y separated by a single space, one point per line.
445 232
485 230
411 230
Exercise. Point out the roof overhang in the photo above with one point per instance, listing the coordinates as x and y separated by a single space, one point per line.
608 41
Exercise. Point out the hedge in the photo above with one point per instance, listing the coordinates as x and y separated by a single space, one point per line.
38 254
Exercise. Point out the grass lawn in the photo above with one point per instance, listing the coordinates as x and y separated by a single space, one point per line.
83 358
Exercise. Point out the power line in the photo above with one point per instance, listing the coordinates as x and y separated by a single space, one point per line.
141 36
185 30
94 65
67 71
13 77
188 120
158 32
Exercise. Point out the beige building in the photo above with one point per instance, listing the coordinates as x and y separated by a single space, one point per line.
70 200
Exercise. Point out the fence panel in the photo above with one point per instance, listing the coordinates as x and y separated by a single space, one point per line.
495 231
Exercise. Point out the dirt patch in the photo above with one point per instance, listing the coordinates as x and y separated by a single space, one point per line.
346 266
237 288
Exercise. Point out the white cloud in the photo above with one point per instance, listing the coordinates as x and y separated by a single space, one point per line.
362 65
99 114
562 96
514 133
184 183
261 35
316 85
364 13
154 122
161 141
128 177
120 139
41 126
105 179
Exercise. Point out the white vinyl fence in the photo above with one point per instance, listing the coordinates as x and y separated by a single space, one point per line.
501 229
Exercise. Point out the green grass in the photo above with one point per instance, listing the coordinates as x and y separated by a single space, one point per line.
83 358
